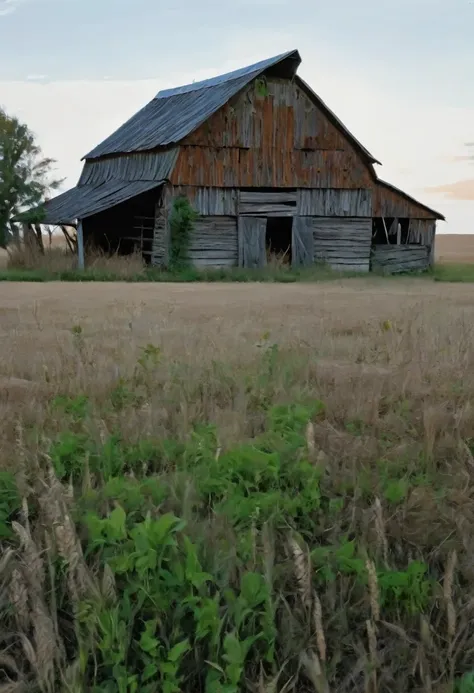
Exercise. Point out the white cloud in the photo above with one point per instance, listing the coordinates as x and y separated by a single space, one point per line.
8 6
412 138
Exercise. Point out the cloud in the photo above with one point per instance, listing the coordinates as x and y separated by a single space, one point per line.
461 190
456 158
9 6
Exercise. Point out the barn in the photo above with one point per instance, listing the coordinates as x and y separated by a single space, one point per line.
268 168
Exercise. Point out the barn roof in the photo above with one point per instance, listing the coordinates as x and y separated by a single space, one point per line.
85 200
389 186
175 113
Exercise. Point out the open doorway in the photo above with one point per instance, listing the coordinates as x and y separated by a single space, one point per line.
278 240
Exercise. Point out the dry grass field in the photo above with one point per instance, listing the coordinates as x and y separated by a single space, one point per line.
318 442
455 248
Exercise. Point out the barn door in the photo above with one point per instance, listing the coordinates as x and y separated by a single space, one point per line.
302 242
252 248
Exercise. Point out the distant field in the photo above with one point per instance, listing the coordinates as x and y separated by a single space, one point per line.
454 247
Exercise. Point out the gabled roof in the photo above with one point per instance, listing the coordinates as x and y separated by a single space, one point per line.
175 113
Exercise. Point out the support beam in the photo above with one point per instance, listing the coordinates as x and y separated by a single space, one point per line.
80 245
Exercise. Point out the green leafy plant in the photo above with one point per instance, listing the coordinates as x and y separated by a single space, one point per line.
261 87
181 222
10 503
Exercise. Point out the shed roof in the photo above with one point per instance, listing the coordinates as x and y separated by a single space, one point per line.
84 200
389 186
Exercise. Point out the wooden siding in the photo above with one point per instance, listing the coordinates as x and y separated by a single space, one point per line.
214 242
280 139
209 201
252 242
421 231
343 244
275 168
267 204
394 259
284 117
160 245
334 203
391 203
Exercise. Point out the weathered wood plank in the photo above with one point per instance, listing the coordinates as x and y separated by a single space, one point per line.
258 197
302 251
363 267
392 249
342 242
395 259
213 241
251 240
213 255
269 210
209 201
330 202
160 244
209 262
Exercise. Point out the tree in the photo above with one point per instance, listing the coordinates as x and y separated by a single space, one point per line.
25 176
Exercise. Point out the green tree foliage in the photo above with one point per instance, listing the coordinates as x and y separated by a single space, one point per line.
25 175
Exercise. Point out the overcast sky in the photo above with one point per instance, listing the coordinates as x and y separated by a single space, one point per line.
399 74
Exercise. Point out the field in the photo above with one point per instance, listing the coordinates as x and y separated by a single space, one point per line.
454 248
237 487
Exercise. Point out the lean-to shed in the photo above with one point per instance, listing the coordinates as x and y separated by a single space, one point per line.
268 167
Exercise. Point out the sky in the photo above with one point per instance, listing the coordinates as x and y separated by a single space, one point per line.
398 73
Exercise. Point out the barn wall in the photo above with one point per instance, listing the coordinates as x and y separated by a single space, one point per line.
267 204
209 201
393 259
391 203
214 242
276 138
160 246
334 203
343 244
421 231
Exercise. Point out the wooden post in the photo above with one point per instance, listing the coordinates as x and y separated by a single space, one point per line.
80 245
399 232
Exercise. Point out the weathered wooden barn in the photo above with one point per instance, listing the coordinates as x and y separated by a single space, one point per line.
267 166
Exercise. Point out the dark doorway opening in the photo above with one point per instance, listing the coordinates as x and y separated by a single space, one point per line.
390 230
278 240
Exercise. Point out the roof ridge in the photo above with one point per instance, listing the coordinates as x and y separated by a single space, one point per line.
227 76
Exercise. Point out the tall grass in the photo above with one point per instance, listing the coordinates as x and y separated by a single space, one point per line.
58 261
196 509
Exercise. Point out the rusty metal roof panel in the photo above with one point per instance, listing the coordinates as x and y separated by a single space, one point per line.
86 200
175 113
